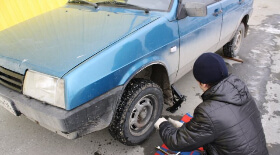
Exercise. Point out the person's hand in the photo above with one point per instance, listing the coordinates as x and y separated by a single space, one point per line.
159 121
177 124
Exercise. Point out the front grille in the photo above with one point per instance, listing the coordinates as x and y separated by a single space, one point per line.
11 79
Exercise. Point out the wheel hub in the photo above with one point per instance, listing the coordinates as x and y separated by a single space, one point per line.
238 40
141 115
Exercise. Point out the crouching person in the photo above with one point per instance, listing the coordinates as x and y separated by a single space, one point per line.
227 122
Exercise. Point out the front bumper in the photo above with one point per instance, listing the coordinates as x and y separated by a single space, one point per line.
92 116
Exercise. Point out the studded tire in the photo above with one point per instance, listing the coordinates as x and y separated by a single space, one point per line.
233 47
139 108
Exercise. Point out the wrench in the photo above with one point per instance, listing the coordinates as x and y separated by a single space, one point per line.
167 152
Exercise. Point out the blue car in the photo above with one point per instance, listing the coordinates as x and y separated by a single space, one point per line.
94 64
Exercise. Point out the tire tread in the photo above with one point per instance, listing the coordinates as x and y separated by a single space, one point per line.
130 93
227 48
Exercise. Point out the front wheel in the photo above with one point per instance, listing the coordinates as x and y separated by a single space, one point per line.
139 108
233 47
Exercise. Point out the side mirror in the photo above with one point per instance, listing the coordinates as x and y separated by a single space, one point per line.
195 9
191 9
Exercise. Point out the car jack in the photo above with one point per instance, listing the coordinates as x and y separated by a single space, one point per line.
178 99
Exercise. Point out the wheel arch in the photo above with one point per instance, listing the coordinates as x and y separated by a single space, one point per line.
153 71
245 20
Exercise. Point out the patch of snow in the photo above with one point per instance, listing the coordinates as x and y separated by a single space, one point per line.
276 61
270 29
248 32
262 57
252 86
256 51
271 121
277 40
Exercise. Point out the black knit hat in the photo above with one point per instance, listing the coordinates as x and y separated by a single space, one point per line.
210 68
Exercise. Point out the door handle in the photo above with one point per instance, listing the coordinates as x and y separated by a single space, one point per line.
241 1
217 12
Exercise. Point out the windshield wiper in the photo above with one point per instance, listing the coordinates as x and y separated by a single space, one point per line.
83 1
113 2
125 4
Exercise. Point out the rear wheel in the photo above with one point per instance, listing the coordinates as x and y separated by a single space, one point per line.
233 47
138 110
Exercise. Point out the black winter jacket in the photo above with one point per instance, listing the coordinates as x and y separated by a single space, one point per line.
226 122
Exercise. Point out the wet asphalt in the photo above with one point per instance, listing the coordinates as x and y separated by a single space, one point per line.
260 71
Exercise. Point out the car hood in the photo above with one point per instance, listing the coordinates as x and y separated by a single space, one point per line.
57 41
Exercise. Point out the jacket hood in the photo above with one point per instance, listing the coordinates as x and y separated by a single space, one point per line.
55 42
230 90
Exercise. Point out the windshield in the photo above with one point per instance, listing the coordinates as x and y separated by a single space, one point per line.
162 5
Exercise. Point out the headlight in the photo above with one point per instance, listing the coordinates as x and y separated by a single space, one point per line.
44 88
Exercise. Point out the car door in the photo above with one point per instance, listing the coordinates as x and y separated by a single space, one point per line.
198 35
232 12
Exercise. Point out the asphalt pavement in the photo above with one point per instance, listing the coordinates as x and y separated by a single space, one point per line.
260 71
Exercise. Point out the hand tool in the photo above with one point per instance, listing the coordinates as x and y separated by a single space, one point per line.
168 152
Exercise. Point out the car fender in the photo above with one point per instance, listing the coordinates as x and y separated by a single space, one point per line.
115 65
248 10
